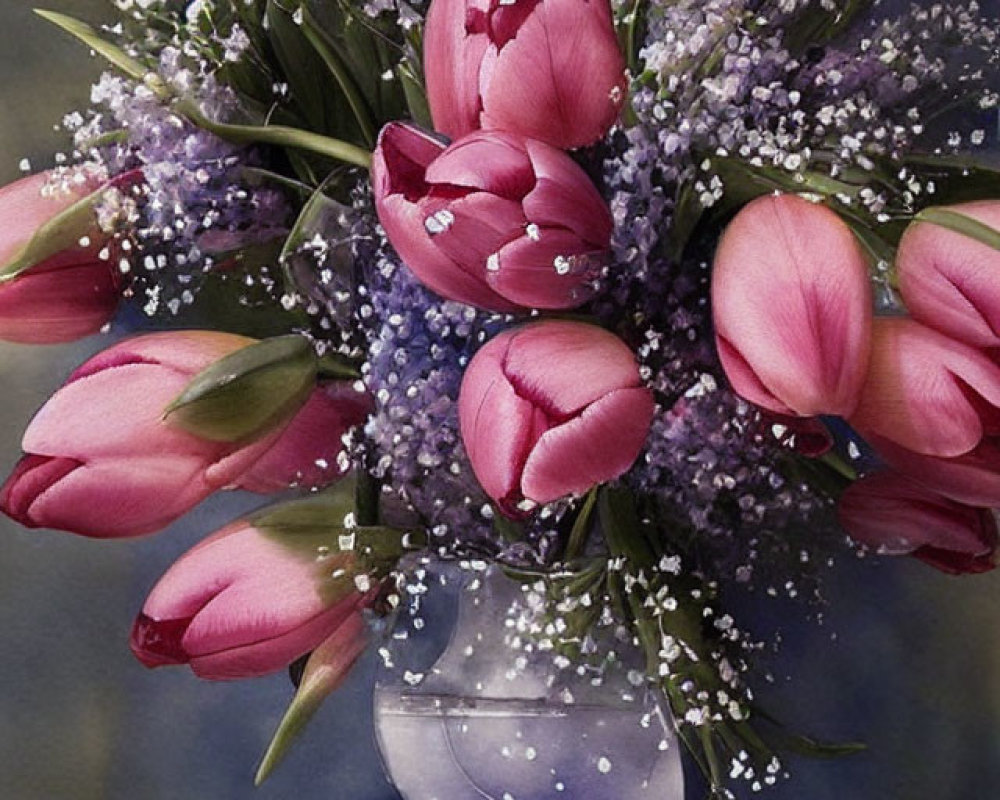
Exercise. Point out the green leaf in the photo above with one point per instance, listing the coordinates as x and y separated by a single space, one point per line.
247 393
62 232
90 37
956 179
962 224
416 95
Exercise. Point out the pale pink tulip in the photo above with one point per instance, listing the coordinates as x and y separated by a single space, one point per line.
895 516
552 409
245 602
495 220
102 460
66 296
791 301
548 69
926 391
951 282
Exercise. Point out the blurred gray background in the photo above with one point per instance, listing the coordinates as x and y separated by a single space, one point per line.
908 660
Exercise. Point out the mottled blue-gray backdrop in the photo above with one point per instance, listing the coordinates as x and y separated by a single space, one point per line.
914 668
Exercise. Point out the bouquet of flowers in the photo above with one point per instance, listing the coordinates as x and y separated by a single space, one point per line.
651 306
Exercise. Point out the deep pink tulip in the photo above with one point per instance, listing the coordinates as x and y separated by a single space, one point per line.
926 391
102 461
791 301
243 603
895 516
552 409
972 478
950 281
495 220
548 69
69 295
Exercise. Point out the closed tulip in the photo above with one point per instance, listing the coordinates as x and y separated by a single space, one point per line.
928 392
549 69
951 282
66 295
791 301
103 461
245 602
896 516
552 409
495 220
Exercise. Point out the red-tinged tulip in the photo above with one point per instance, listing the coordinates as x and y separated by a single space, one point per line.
972 478
807 436
67 294
791 301
950 281
895 516
103 461
245 602
552 409
495 220
549 69
926 391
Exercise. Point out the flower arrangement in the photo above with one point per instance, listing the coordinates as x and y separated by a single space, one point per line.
648 305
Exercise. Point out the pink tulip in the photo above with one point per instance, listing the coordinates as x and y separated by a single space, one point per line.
791 302
102 460
896 516
927 392
245 602
549 69
66 296
495 220
972 478
950 281
552 409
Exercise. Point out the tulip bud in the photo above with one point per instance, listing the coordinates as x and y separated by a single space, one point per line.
791 301
247 602
56 296
552 409
549 69
896 516
927 392
948 280
104 461
495 220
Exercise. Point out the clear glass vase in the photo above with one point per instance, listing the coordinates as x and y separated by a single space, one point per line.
483 719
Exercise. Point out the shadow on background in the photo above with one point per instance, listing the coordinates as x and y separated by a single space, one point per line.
913 668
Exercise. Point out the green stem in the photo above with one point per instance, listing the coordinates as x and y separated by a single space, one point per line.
840 466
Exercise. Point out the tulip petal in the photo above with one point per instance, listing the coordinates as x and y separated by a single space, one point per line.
451 68
494 162
552 270
32 476
811 349
924 390
482 225
951 282
561 78
565 197
597 446
564 366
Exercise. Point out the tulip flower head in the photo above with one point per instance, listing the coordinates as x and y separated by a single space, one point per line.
102 460
895 516
548 69
245 602
66 295
791 302
927 392
950 281
552 409
495 220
